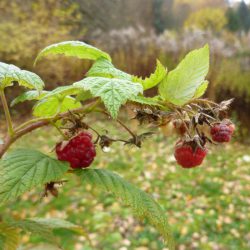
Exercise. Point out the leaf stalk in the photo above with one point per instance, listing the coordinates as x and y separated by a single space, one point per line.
7 113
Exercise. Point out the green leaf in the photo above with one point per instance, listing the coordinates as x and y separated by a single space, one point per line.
83 96
154 79
73 48
53 105
24 169
142 203
113 92
62 91
44 227
200 91
9 237
151 101
180 85
29 96
35 228
10 73
104 68
55 223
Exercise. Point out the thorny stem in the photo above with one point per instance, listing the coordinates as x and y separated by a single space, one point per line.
94 130
92 107
188 111
206 102
32 121
208 116
126 128
196 106
7 113
41 122
96 102
120 122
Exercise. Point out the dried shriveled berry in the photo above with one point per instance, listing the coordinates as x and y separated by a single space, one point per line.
187 156
168 129
181 127
79 151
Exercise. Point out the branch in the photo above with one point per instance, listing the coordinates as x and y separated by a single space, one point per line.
9 140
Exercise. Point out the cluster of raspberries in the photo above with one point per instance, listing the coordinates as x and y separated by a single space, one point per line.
80 151
189 155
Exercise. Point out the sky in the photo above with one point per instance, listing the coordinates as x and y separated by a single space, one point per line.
235 1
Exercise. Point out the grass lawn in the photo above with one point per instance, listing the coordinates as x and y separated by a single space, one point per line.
208 207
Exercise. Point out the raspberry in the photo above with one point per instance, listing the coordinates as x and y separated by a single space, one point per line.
188 157
79 151
222 132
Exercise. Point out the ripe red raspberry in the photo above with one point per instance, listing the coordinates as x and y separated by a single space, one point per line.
222 132
79 151
187 156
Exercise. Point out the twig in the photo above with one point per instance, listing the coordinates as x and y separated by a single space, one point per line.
206 101
184 123
30 126
121 123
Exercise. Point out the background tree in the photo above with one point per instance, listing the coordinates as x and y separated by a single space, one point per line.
244 16
24 34
116 14
200 4
207 19
233 20
238 17
53 20
159 22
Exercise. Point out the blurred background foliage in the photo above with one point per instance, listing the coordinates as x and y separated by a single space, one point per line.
135 33
207 19
28 26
